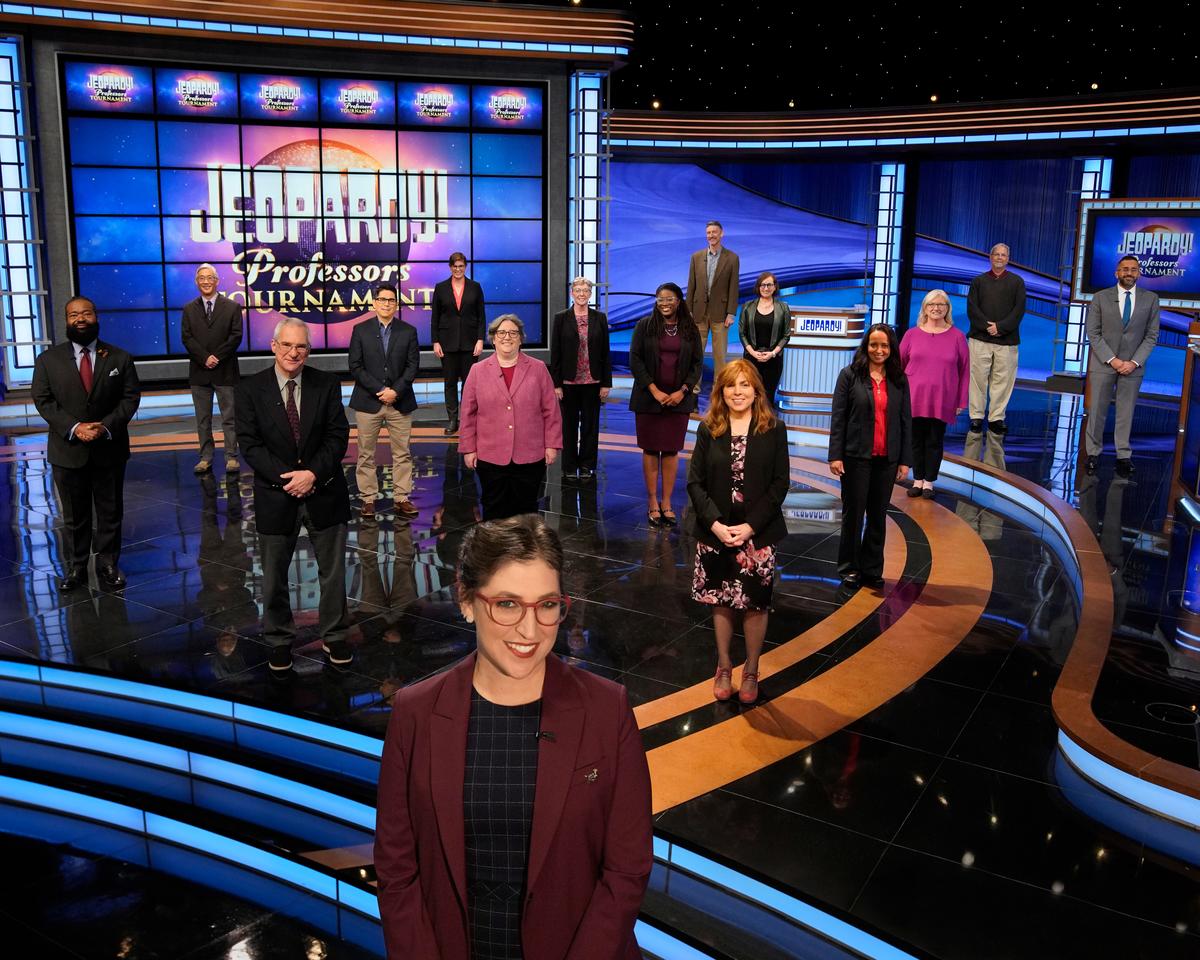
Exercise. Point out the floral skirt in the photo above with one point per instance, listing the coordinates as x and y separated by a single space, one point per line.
740 578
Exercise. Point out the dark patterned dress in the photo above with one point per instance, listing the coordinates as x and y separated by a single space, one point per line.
742 577
498 790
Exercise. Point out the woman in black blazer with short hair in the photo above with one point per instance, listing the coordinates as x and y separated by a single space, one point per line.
870 447
582 373
737 480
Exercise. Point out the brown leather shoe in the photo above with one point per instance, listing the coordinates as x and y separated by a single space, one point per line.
367 510
201 468
406 508
233 465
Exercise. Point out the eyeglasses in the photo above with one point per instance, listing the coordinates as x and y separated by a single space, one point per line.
508 611
506 334
289 347
766 283
385 300
666 300
940 306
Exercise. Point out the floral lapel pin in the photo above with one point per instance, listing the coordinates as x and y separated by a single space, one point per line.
593 776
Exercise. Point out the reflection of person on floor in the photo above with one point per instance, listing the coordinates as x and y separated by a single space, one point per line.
987 448
737 482
666 358
834 763
482 800
1122 327
224 599
870 448
1111 533
385 612
459 507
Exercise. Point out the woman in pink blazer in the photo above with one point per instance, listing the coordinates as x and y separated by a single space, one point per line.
514 797
511 426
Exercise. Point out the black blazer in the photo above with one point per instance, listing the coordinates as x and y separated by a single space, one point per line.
564 347
265 439
852 426
220 339
58 395
372 371
643 364
453 328
764 485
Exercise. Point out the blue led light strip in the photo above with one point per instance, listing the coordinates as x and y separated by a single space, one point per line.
60 14
805 914
1125 786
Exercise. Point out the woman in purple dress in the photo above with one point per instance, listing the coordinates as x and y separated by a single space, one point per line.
938 366
666 358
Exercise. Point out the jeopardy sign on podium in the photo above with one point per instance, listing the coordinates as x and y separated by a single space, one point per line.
822 342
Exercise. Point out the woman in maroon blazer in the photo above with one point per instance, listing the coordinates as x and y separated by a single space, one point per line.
514 797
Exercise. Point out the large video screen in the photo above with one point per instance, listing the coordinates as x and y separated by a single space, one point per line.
1161 234
303 191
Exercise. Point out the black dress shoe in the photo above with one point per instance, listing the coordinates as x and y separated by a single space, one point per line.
852 581
873 582
977 426
1090 465
452 429
110 577
73 579
587 474
1124 467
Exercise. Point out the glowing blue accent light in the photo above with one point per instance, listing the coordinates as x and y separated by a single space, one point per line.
661 944
1183 643
215 845
1190 507
289 791
129 690
356 898
310 729
1143 793
803 913
20 670
77 804
98 741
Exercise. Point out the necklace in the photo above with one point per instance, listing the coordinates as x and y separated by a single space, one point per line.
671 331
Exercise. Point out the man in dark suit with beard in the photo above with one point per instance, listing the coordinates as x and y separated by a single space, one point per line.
87 391
292 429
456 325
211 334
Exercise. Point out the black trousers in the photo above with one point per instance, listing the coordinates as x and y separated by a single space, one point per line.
928 440
456 364
581 425
866 491
771 373
277 550
510 489
98 485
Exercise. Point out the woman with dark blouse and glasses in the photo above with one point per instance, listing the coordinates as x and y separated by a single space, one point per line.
513 815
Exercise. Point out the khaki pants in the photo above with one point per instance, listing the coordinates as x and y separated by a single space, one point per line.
399 429
993 374
720 340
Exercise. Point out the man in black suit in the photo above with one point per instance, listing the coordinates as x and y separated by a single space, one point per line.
293 432
88 391
384 360
456 325
212 333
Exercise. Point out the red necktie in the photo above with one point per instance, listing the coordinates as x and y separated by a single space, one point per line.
85 371
293 414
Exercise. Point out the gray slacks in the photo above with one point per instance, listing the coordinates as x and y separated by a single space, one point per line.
329 548
202 400
1103 382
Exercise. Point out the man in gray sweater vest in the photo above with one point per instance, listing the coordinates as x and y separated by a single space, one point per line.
995 306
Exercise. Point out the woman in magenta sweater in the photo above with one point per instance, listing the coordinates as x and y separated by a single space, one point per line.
938 366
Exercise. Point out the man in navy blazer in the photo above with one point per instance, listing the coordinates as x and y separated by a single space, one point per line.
1122 328
292 429
384 360
456 324
87 391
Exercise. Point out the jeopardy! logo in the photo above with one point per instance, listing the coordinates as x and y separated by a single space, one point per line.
110 87
822 326
507 106
358 100
198 92
434 104
279 96
1158 249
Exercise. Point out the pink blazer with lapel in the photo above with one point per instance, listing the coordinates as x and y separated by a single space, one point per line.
590 847
509 426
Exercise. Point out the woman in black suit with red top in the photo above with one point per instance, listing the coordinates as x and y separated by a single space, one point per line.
456 325
870 448
582 373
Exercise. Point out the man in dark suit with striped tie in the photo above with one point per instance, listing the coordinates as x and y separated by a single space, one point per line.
87 391
212 333
292 429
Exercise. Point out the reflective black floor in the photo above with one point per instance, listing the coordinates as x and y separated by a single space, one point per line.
937 818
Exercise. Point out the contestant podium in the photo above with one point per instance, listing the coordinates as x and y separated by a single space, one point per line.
822 342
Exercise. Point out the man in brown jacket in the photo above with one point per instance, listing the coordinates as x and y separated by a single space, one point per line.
712 291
